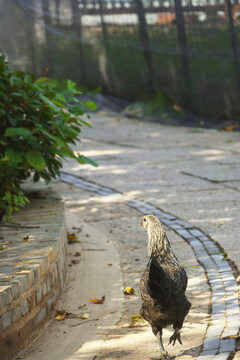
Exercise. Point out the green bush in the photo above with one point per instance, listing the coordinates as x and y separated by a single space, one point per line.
37 128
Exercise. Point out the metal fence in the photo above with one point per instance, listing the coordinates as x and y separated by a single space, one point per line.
184 50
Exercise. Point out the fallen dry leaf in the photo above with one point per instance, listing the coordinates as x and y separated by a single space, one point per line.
109 264
25 238
98 301
75 261
81 306
72 238
191 266
177 107
137 320
77 253
77 228
129 290
229 128
62 315
219 223
84 316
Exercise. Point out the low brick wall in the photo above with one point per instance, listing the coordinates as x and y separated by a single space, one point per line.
33 265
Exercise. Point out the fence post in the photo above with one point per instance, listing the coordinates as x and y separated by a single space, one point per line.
106 45
77 25
145 42
182 39
49 40
233 40
57 4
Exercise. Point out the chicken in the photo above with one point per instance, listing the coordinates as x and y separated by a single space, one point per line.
163 285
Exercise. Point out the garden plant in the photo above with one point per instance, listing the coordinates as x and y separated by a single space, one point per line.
38 126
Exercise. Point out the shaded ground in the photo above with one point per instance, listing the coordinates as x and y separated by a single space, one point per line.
150 112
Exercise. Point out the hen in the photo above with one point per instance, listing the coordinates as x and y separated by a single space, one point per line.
163 285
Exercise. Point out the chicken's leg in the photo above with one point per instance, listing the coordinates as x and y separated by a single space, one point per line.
175 336
163 352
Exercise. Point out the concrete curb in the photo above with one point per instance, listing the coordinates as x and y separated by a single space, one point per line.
32 270
220 338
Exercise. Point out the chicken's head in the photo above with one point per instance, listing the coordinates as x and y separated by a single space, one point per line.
149 221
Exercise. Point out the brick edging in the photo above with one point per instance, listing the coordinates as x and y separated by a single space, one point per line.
32 270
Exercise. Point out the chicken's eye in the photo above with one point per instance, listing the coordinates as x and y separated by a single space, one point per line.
144 220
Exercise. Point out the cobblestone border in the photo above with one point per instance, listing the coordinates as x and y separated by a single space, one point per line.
32 272
219 342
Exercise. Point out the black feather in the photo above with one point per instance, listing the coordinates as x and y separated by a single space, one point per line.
164 281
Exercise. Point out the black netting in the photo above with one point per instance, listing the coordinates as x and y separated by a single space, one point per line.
187 50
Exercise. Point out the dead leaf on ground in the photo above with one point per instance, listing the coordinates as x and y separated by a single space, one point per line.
75 261
109 264
72 238
81 306
62 315
25 238
177 107
219 223
77 253
231 337
229 128
77 228
98 301
191 266
84 316
137 320
129 290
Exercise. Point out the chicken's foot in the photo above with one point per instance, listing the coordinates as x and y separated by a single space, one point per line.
175 336
163 352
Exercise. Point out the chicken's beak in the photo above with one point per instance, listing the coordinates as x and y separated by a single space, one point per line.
141 223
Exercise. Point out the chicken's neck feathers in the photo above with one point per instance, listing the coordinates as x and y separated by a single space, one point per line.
160 247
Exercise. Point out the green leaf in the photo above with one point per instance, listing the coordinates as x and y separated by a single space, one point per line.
61 97
85 122
36 160
50 103
71 86
48 134
41 79
25 133
60 142
28 79
76 109
13 156
15 93
91 105
36 177
85 160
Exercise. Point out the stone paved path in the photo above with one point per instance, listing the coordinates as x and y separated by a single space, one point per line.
190 178
193 176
